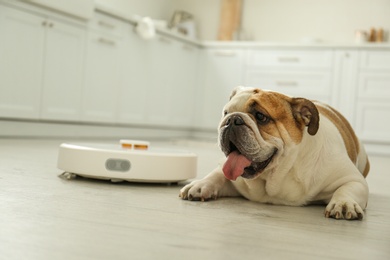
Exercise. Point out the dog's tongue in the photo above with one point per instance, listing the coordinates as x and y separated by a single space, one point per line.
234 165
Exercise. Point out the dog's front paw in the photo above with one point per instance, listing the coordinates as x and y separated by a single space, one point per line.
202 190
344 209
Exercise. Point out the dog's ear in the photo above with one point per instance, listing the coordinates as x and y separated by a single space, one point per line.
306 112
235 91
239 89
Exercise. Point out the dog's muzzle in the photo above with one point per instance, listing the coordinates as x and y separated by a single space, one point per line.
245 157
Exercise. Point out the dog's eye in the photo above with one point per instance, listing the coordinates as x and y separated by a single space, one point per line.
225 113
261 118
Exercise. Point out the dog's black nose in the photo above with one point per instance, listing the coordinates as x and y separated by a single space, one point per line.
236 119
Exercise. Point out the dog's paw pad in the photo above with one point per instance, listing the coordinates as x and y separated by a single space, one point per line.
344 210
199 191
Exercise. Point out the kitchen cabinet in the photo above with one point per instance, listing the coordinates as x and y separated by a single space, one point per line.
305 73
103 71
185 83
41 68
313 85
373 95
136 73
63 78
162 60
21 58
137 82
162 84
220 72
55 67
345 81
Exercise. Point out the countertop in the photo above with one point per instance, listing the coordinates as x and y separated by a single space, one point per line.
263 44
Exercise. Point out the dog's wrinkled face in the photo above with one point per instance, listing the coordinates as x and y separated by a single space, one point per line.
256 127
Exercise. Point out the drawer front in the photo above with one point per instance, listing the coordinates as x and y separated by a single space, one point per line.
106 24
312 59
371 121
308 85
374 85
375 60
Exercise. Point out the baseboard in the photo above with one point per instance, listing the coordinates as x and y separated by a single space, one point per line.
38 129
377 148
26 129
206 135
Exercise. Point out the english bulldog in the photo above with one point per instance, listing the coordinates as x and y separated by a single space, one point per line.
288 151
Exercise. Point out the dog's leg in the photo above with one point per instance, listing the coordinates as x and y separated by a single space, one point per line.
214 185
348 201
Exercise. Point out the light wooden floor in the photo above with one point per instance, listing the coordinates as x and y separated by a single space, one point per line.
45 217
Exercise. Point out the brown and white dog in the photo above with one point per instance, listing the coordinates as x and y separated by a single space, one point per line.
289 151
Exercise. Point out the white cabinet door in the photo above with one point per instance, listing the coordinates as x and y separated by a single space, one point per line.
345 83
372 122
102 78
302 73
184 84
21 61
64 70
136 80
162 59
159 80
373 95
171 98
221 71
307 84
290 59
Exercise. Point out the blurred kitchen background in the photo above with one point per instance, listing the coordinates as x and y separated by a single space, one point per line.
165 68
332 21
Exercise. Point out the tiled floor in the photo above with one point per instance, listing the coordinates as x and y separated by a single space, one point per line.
45 217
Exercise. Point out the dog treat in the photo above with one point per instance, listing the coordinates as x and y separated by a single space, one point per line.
134 144
127 146
140 147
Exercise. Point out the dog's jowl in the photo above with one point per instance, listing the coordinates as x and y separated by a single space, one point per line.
289 151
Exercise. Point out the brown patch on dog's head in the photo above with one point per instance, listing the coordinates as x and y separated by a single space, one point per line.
258 125
286 115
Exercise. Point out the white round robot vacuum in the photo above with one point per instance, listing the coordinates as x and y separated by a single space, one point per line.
130 160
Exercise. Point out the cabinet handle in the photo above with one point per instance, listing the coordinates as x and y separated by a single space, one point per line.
107 25
288 59
287 83
225 53
107 41
47 24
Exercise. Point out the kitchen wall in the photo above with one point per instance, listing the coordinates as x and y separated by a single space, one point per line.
331 21
206 15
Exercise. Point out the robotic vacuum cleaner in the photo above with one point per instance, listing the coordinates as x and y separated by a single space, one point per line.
130 160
